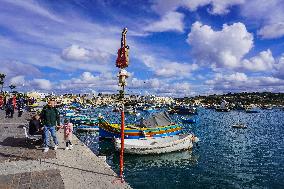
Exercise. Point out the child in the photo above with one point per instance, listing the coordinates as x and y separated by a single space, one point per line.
68 129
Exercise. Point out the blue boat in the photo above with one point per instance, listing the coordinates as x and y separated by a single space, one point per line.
188 120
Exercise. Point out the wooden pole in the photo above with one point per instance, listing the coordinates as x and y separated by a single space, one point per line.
122 144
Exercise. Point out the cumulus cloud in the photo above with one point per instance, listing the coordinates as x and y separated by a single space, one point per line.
217 6
42 84
269 14
77 53
74 52
262 62
166 68
279 71
221 49
89 82
241 82
172 21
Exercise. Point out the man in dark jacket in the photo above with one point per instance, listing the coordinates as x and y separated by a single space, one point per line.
50 120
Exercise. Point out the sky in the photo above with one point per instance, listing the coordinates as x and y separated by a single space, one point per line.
177 47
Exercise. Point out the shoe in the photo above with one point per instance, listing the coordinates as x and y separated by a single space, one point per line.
45 150
66 148
55 147
71 147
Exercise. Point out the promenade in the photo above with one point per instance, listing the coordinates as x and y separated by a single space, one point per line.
26 166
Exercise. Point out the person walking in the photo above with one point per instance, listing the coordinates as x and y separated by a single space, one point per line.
51 120
10 108
20 106
68 129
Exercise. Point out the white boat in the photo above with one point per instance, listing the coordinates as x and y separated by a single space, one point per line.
239 126
87 128
157 145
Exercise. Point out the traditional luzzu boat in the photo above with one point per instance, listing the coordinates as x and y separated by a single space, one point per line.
157 145
157 125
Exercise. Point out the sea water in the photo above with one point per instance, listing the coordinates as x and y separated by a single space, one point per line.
225 157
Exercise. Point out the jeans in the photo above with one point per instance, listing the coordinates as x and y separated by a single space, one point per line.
52 131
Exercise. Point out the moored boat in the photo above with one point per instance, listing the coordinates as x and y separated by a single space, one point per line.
157 125
251 110
188 120
87 128
239 126
157 145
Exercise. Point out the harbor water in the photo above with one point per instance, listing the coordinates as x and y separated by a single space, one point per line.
225 157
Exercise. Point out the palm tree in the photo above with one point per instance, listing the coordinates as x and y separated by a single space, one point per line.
2 77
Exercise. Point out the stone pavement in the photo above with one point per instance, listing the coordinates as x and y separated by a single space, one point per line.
26 166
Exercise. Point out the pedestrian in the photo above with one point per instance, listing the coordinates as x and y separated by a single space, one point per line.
20 106
35 126
51 120
9 108
1 102
68 129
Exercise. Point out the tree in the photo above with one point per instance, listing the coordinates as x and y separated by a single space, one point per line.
12 87
2 77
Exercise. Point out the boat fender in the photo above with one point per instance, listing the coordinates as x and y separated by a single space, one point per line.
194 138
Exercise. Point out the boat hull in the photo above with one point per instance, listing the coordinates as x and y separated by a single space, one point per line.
156 145
87 128
107 130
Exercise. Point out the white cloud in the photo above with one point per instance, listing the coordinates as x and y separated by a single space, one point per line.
222 49
270 31
74 52
241 82
77 53
279 72
268 14
18 80
166 68
88 82
217 6
38 40
160 87
262 62
172 21
15 68
42 84
33 7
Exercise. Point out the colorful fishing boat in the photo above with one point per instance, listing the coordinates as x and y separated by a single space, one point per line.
162 127
157 145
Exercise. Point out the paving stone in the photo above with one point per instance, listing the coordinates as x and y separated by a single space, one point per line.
6 181
25 178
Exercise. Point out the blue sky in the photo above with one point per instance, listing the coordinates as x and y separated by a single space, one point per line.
177 47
